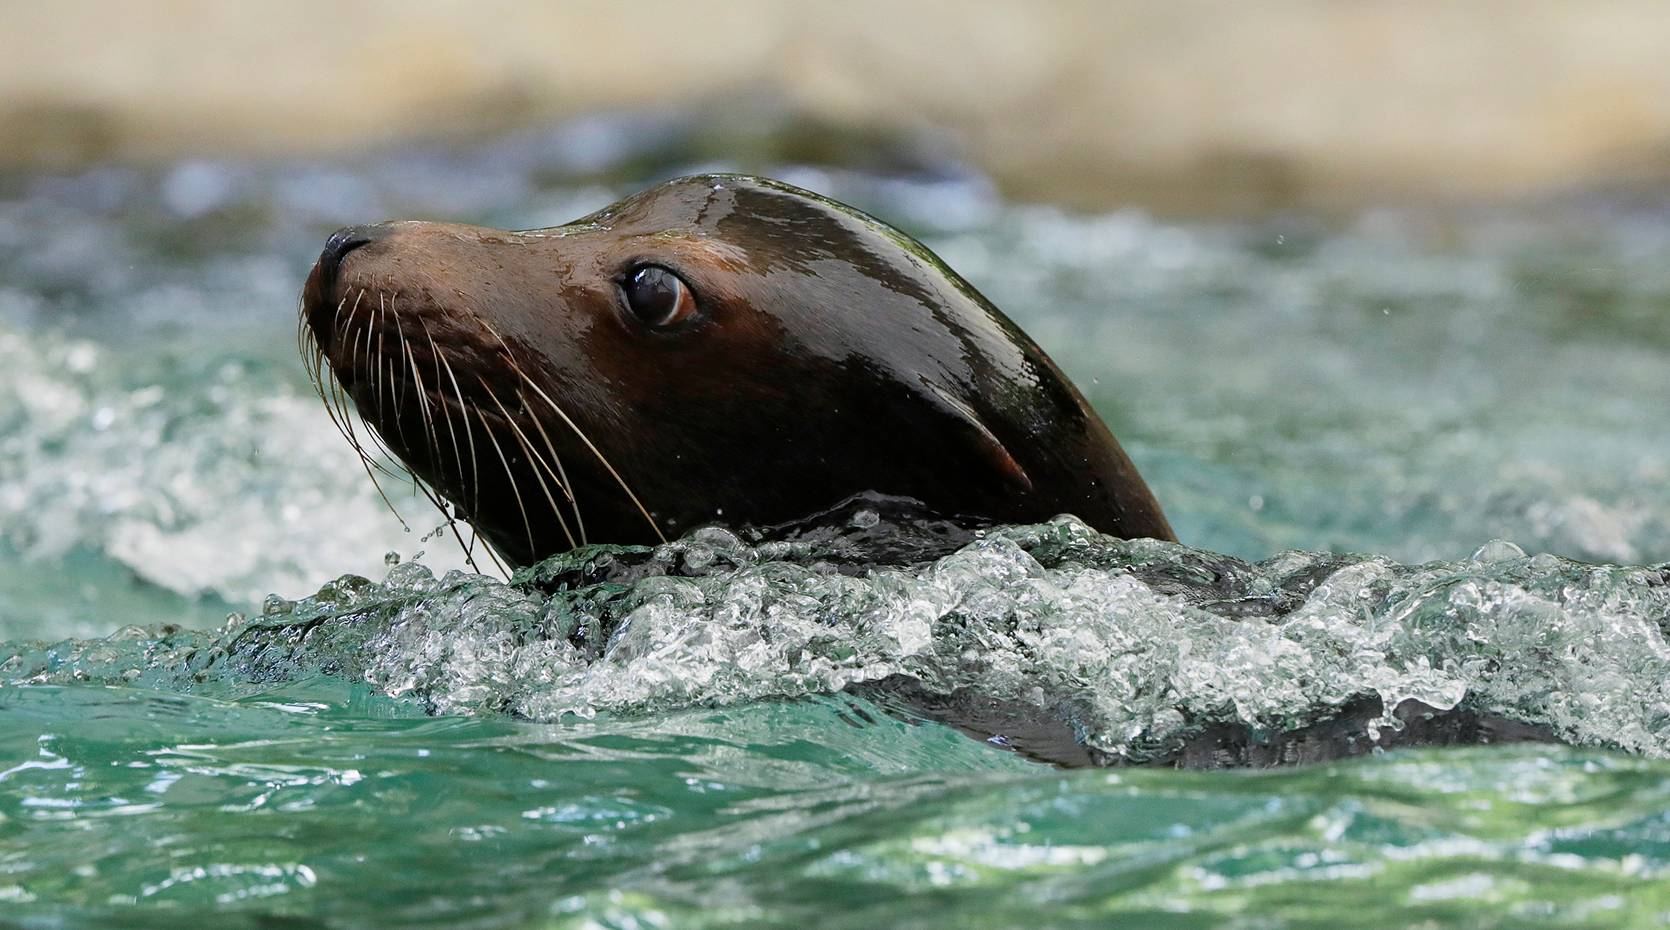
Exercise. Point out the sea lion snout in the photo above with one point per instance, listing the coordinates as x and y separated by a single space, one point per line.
319 295
383 275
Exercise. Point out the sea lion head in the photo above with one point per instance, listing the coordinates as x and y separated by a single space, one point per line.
718 348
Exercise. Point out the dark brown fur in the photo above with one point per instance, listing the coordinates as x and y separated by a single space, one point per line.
830 355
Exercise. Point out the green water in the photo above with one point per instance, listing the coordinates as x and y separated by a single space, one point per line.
310 805
1401 385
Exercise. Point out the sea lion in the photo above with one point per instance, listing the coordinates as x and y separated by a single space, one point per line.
717 348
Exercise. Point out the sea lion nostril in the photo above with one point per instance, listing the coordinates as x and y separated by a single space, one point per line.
340 243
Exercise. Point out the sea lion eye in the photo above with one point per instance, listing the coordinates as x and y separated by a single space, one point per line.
658 297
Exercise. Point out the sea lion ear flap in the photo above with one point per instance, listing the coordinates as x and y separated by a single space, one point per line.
985 442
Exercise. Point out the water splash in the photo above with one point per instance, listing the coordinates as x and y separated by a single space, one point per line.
211 492
1139 645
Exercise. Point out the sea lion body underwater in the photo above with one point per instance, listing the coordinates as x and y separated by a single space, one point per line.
718 348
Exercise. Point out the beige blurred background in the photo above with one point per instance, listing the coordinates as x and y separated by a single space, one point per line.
1182 106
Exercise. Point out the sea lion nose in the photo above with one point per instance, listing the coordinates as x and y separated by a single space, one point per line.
337 247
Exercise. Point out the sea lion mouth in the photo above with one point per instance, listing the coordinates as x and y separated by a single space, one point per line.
437 390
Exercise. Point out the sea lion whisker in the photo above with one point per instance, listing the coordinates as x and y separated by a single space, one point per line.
533 456
400 332
452 433
364 459
485 547
302 329
330 392
511 475
369 462
452 430
354 358
338 408
423 404
399 421
522 400
369 330
348 325
469 437
348 334
350 417
601 458
397 386
452 525
316 373
382 328
384 454
304 342
317 377
551 447
344 421
510 357
522 403
337 313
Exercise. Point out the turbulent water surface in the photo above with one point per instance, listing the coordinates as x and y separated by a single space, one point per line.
1415 457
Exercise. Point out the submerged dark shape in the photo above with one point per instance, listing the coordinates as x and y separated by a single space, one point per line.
1359 728
716 349
869 531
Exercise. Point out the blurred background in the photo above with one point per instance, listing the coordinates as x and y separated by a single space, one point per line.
1192 106
1375 275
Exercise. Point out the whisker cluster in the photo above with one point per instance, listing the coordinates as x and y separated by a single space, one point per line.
368 362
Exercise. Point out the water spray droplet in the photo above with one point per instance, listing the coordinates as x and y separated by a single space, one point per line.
1497 550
